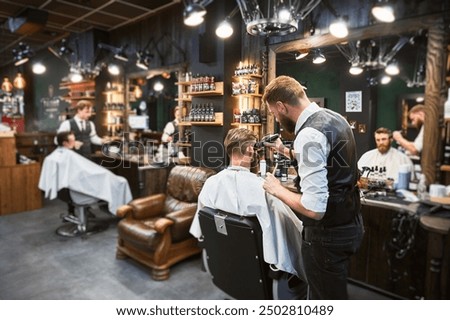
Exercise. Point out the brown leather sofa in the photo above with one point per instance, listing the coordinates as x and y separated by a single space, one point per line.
155 229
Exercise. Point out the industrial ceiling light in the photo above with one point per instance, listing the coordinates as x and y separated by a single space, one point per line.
301 54
113 69
143 59
319 57
22 55
39 68
338 28
193 14
158 86
63 50
392 69
383 11
224 30
121 55
282 16
356 69
385 79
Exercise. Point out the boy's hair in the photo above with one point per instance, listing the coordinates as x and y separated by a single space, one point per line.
238 139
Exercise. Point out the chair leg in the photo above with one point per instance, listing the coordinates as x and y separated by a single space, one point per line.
120 255
160 274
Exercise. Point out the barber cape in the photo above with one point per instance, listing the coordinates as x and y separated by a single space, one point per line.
64 168
237 190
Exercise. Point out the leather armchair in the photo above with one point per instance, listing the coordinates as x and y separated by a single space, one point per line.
155 229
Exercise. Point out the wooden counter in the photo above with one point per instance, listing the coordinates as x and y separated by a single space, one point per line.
402 250
19 188
405 250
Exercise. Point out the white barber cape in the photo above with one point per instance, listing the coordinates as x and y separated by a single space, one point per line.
392 160
237 190
64 168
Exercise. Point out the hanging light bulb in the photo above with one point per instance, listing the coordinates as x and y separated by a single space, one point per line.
319 57
19 81
113 69
301 54
385 79
137 91
383 11
392 69
39 68
194 14
158 86
355 69
339 28
224 30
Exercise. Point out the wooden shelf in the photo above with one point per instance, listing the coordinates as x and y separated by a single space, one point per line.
245 124
251 95
217 123
78 98
217 92
445 167
183 144
248 76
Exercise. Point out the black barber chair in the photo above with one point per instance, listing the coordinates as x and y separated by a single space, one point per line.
78 221
233 255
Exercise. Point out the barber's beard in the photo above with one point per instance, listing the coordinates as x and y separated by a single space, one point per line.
287 123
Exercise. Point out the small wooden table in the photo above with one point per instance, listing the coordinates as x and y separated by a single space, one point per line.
438 247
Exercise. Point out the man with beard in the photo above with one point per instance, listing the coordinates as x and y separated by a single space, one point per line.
328 200
385 157
417 117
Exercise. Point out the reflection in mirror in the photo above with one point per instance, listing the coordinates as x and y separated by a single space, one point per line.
158 95
406 103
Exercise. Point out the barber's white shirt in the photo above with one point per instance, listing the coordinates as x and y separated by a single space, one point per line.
237 190
311 151
392 160
65 126
418 142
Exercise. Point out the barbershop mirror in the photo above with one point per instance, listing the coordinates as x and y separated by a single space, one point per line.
157 93
331 80
406 102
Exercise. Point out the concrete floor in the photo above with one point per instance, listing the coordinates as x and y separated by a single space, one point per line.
38 264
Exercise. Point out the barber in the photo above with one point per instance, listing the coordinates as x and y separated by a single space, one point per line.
83 128
328 200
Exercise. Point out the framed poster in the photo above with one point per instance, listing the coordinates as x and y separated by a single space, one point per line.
320 101
353 101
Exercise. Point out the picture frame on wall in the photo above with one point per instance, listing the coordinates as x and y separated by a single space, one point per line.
320 101
353 101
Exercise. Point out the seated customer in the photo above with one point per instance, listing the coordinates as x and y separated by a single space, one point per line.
384 156
64 168
239 191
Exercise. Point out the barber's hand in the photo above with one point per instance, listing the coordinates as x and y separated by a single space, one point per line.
78 144
272 185
277 146
397 135
106 139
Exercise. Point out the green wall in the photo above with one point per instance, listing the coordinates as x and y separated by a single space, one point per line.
323 81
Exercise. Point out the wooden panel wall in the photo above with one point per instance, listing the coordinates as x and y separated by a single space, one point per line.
19 188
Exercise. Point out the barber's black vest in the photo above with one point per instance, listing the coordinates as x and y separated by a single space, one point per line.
343 202
83 136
